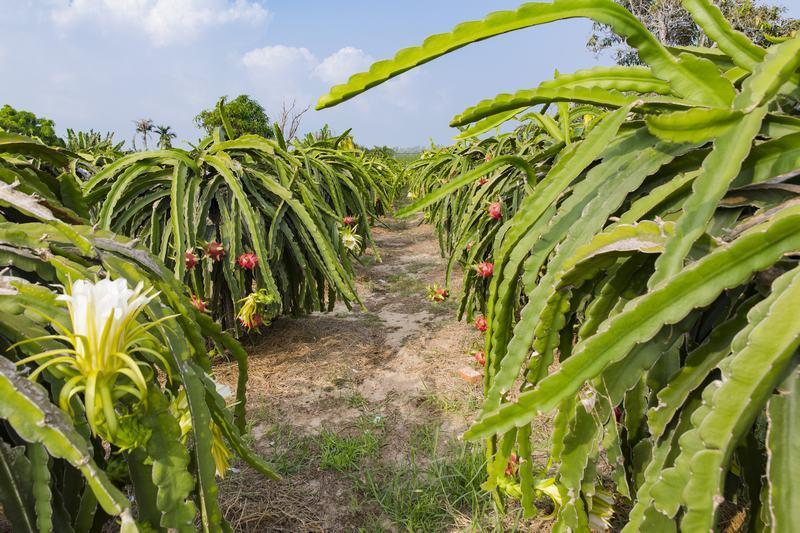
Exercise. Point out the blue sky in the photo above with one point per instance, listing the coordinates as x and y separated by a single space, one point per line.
103 63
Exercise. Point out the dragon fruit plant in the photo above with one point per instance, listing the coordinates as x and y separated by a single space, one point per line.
234 196
642 259
98 342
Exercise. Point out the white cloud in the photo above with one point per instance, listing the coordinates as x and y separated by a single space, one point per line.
339 66
279 74
164 21
279 60
296 73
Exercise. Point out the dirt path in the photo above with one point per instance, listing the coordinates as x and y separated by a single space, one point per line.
343 399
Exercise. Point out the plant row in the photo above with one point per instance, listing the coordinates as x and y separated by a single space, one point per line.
638 272
124 274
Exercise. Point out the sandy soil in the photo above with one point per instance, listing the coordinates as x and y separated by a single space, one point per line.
393 365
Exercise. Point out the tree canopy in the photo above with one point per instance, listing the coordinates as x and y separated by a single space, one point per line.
672 25
26 123
245 114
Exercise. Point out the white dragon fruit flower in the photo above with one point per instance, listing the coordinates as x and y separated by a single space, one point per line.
100 361
350 239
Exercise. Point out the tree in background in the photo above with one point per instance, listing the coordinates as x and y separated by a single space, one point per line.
245 114
28 124
165 136
673 25
144 127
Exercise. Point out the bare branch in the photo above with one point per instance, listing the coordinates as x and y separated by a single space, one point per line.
289 121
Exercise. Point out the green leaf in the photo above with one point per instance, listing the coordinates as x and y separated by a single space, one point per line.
40 478
12 143
576 229
733 43
223 117
699 363
684 78
27 408
328 256
694 125
221 164
465 179
524 229
633 79
769 160
179 217
548 123
747 382
15 488
696 286
783 449
170 462
644 237
487 124
111 170
223 420
719 170
779 65
643 505
503 103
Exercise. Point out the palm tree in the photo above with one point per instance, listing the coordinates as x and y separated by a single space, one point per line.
144 126
165 136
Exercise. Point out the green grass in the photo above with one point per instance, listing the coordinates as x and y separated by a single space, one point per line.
367 260
430 497
406 285
447 404
370 422
356 401
291 452
424 438
346 453
447 307
420 266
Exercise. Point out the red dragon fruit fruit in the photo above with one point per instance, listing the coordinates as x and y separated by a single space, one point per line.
481 324
215 251
198 304
349 220
479 357
511 467
489 156
436 294
485 269
190 260
495 210
255 321
248 261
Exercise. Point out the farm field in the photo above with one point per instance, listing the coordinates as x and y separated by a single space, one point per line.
577 313
358 405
